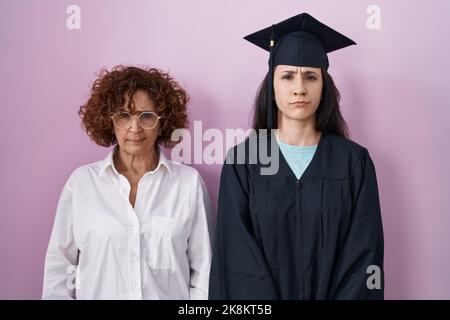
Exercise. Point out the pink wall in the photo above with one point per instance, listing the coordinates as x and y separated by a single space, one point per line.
394 85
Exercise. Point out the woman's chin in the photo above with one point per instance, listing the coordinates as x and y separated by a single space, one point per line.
300 116
136 149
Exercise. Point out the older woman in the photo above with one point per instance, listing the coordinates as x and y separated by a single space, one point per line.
134 225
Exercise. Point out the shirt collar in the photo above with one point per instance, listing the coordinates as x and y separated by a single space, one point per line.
164 162
109 162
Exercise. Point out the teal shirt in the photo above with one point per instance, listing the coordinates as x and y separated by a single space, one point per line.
297 157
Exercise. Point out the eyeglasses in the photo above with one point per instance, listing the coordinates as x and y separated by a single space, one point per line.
146 119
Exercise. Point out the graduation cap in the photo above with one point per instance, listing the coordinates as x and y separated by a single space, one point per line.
299 41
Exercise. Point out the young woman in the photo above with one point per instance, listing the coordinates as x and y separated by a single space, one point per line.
311 230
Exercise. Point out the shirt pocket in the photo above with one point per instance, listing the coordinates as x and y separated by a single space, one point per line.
156 235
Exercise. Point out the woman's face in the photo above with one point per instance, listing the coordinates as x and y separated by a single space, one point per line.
135 140
298 91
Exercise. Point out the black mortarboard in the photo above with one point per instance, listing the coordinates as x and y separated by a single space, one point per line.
299 41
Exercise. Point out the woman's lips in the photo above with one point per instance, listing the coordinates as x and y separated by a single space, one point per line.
135 140
299 103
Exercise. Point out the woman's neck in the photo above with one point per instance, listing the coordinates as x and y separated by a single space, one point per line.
136 165
298 133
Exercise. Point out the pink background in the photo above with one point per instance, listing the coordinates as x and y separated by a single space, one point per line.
394 85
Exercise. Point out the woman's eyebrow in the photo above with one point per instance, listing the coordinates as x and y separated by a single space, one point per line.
135 112
295 71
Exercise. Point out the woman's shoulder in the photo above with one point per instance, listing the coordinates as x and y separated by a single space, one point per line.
344 150
183 172
87 172
345 145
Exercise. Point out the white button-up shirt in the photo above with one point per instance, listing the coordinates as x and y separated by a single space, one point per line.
103 248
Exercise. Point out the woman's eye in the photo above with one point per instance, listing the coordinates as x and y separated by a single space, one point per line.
146 115
311 78
287 77
124 115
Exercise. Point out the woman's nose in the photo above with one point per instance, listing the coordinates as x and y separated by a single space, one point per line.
300 88
134 126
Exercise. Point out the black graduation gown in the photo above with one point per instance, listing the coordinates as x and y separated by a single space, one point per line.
314 238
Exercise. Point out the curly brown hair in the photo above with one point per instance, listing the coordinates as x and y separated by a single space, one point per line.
108 95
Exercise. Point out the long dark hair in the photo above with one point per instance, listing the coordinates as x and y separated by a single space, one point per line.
328 115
